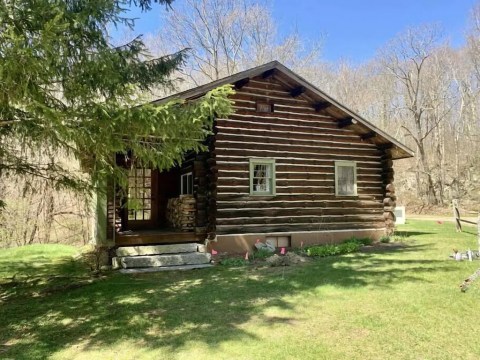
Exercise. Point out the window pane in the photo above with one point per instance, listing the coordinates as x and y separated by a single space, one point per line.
146 215
190 184
346 180
184 184
262 178
148 181
147 204
187 184
147 193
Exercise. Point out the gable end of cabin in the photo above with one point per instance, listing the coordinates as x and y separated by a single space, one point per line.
288 169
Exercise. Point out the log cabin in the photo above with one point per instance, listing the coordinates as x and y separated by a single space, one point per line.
290 166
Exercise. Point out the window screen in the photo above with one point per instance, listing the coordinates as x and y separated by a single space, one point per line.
346 179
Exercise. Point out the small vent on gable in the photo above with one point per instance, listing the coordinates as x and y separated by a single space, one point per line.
264 107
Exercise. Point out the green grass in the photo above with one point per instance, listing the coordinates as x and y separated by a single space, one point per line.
383 303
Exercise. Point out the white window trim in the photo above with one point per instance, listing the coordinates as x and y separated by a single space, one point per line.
262 161
346 163
182 190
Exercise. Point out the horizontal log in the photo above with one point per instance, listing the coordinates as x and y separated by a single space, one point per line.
297 147
287 175
263 152
234 229
387 163
253 203
294 211
238 122
388 215
287 163
388 202
281 181
268 138
265 83
290 197
299 190
285 116
323 135
303 110
293 219
277 96
390 188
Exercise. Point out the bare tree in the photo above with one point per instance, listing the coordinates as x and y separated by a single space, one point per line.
227 36
406 58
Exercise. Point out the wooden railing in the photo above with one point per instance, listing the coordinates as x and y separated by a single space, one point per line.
458 219
458 226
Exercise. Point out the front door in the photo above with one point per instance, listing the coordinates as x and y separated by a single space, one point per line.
142 206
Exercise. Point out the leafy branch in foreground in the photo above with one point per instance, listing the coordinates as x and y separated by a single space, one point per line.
66 89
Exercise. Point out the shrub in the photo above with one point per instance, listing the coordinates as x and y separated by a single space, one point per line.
262 254
385 239
329 250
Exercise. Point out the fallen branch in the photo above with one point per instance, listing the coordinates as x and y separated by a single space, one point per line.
469 281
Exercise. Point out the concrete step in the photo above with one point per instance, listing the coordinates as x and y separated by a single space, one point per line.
159 249
164 268
145 261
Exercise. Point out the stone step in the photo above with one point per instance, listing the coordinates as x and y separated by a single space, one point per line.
164 268
145 261
159 249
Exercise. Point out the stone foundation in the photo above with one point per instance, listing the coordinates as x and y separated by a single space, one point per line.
240 243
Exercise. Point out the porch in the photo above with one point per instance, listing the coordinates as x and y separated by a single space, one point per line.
159 207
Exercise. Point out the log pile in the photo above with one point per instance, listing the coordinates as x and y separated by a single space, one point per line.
181 212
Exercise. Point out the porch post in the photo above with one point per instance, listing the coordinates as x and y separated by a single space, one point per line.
99 215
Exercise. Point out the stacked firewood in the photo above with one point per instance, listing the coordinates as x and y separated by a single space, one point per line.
181 212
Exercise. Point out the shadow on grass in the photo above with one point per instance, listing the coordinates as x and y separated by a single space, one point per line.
409 233
167 310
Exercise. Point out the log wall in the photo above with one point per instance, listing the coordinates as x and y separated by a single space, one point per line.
305 145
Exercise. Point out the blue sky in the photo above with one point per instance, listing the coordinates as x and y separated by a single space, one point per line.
354 29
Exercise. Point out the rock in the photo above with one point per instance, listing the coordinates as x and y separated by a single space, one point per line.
164 260
156 249
286 260
263 246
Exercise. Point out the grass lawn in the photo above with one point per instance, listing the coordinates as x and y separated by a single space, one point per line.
390 303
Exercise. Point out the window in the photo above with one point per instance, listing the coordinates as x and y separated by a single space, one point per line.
186 185
262 177
345 178
279 241
139 194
